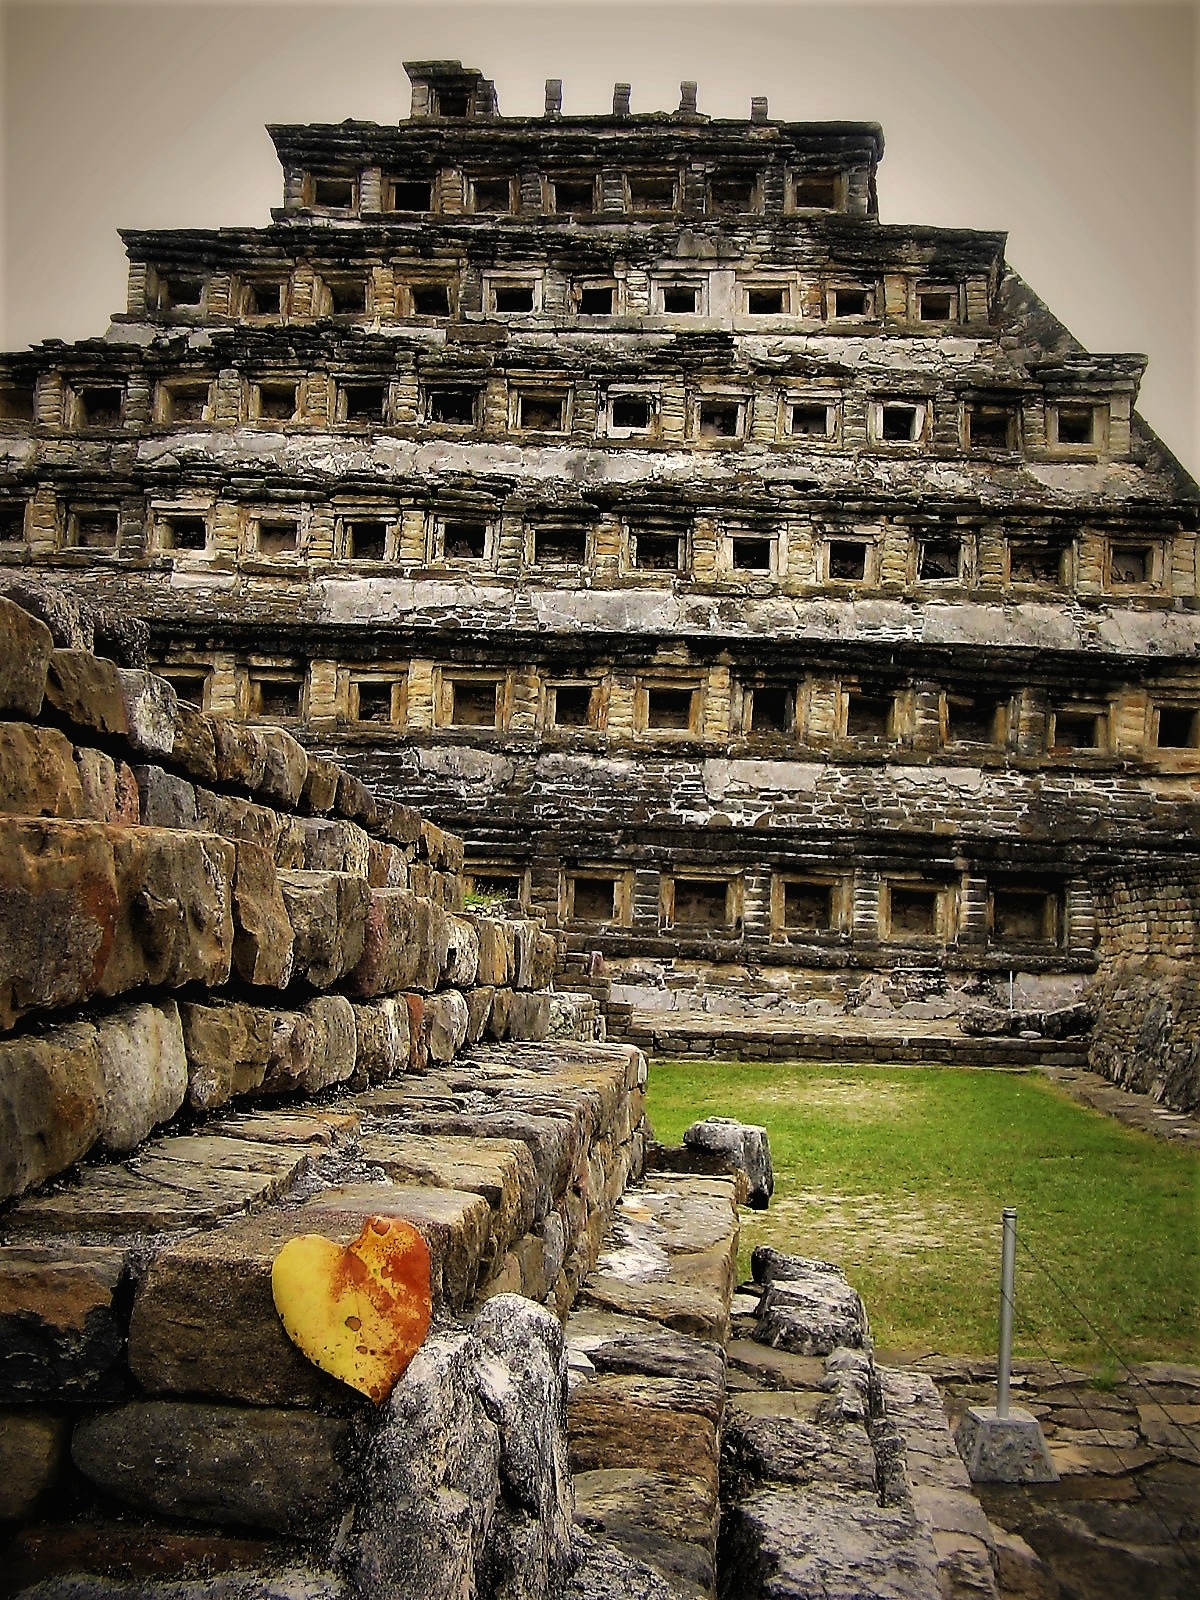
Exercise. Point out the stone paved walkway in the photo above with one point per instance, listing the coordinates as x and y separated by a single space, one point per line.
1134 1110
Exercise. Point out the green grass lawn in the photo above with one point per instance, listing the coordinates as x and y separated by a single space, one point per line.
900 1175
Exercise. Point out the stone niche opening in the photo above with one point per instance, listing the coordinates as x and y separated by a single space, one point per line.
1038 562
596 299
346 297
1024 914
672 708
275 399
541 412
334 190
816 191
574 196
472 702
262 297
12 521
972 719
180 530
275 696
1133 566
854 301
1178 727
810 419
93 528
99 405
184 290
593 898
365 538
491 194
938 560
808 905
770 708
496 883
373 700
508 298
751 552
1075 425
658 552
913 911
651 191
630 413
277 537
766 302
868 716
183 401
559 544
409 194
571 705
463 538
1078 728
848 560
900 421
430 299
189 683
720 419
991 425
680 299
452 407
16 402
937 305
697 903
732 194
362 402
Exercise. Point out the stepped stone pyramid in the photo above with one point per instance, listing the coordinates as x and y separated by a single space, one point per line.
780 602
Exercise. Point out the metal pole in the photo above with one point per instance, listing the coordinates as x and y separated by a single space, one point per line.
1008 1267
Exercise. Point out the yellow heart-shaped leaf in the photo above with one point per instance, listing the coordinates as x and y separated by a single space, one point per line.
358 1311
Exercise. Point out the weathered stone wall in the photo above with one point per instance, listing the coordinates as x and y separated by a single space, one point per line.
1146 995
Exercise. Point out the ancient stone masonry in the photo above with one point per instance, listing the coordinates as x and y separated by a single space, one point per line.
752 584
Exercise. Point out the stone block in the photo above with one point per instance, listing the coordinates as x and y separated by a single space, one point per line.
418 1056
262 932
164 800
235 818
38 775
743 1147
320 784
812 1315
354 800
462 960
249 1467
110 792
529 1016
327 912
62 1327
228 1046
26 647
313 1048
143 1072
285 767
175 892
479 1009
51 1100
405 946
382 1032
387 865
240 754
92 692
446 1020
333 845
33 1456
401 824
497 949
204 1320
195 748
501 1170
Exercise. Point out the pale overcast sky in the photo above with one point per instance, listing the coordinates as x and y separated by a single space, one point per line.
1070 123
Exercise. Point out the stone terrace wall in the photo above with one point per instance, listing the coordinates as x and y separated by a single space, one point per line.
1146 996
194 911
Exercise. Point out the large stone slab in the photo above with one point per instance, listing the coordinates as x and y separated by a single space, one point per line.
62 1334
406 945
33 1454
38 775
249 1467
26 646
96 694
175 926
228 1045
51 1104
262 939
143 1072
328 916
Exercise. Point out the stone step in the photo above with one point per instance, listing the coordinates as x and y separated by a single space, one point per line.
647 1379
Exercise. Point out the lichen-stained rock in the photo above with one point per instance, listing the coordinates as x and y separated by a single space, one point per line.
497 949
62 1334
95 693
332 1016
605 1572
744 1146
228 1046
764 1441
462 960
26 646
431 1477
767 1265
262 932
33 1455
536 954
320 784
334 845
165 800
812 1314
235 818
500 1015
285 767
240 753
523 1390
59 913
652 1423
382 1032
251 1467
195 747
143 1071
176 910
328 916
479 1009
405 946
446 1021
529 1016
354 800
788 1546
51 1100
387 865
110 791
38 775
